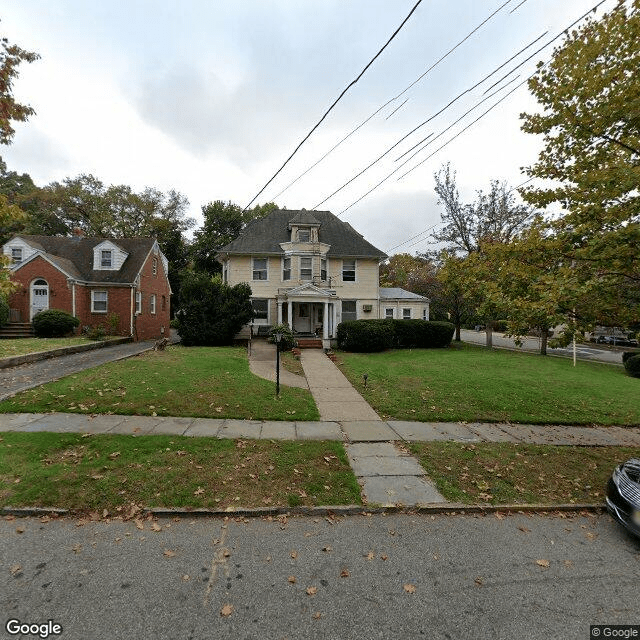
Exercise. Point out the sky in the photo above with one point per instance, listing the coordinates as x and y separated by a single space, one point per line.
210 98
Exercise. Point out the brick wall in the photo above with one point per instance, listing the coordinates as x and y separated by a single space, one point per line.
150 325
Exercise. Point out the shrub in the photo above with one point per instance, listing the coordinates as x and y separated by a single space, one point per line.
500 326
422 334
114 323
287 341
54 323
629 354
632 365
211 312
4 312
96 332
365 335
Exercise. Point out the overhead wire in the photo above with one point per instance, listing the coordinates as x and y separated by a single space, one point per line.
326 113
388 102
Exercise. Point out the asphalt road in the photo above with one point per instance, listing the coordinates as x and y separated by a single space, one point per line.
396 576
583 351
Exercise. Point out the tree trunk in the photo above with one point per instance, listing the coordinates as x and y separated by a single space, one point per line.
458 339
544 337
489 334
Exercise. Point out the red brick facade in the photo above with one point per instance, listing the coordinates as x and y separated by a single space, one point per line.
121 299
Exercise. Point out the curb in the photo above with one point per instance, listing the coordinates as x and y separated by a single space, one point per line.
28 358
325 511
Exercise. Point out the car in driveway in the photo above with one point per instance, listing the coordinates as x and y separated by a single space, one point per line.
623 495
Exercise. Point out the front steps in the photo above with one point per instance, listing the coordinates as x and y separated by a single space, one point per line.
17 330
309 343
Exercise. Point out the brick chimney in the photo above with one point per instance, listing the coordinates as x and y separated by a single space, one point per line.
78 232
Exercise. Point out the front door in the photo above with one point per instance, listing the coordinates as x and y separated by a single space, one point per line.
39 296
302 317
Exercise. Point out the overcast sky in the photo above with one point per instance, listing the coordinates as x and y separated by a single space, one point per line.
210 98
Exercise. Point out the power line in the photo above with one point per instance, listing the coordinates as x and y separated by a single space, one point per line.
414 237
326 113
374 162
388 102
516 8
397 108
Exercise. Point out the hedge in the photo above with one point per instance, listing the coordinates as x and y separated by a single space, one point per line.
54 323
629 354
632 365
377 335
4 312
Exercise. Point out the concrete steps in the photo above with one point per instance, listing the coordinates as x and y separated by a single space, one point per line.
309 343
17 330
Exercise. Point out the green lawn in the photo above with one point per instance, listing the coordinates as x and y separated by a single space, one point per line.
22 346
506 473
468 383
92 473
210 382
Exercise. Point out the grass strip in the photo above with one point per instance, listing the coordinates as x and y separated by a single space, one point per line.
507 473
22 346
96 472
213 382
474 384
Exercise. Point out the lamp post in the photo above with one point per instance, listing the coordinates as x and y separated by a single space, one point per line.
278 337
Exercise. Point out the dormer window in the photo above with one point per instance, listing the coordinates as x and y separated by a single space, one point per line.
16 254
304 235
108 256
106 259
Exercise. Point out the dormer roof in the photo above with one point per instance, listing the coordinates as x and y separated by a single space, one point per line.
304 218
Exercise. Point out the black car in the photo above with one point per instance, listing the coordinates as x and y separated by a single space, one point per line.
623 495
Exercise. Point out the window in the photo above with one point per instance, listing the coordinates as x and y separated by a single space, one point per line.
286 269
424 313
260 309
164 303
154 266
406 314
306 270
303 310
259 268
323 269
225 272
98 302
138 302
348 271
16 254
349 311
152 303
304 235
106 256
388 313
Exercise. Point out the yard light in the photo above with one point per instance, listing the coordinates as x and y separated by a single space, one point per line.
278 337
366 377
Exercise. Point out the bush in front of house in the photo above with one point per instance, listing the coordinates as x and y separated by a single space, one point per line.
211 312
54 323
377 335
287 341
632 365
365 336
4 312
629 354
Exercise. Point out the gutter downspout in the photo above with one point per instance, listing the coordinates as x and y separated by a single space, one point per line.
73 299
132 310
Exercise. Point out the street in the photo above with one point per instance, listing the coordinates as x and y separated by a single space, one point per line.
589 351
364 576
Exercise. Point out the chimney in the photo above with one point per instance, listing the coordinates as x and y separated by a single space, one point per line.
78 232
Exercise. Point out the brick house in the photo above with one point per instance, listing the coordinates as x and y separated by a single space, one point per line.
311 270
121 283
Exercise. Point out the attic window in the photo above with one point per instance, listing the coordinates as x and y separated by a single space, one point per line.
106 258
304 235
16 254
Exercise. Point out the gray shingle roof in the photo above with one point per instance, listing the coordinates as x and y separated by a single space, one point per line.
304 217
75 256
264 235
395 293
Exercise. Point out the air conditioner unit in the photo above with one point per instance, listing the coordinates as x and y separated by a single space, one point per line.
367 307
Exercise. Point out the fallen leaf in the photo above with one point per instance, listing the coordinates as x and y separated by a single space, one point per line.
139 524
499 515
155 527
590 535
185 578
294 554
345 573
317 615
198 492
384 557
524 529
169 554
77 548
370 555
114 455
16 569
410 588
292 579
568 564
327 549
311 591
226 610
543 563
479 581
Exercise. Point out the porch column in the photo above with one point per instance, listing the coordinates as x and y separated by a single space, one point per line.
335 318
325 323
290 315
279 303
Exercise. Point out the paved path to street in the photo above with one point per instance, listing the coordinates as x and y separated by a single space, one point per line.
262 363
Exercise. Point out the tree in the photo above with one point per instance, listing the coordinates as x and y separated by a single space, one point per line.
223 222
9 215
590 123
10 58
211 311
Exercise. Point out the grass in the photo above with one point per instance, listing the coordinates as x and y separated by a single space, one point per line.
88 473
469 383
291 363
506 473
22 346
180 381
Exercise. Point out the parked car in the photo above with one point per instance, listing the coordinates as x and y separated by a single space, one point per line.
623 495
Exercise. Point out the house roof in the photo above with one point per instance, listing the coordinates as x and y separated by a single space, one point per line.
265 235
74 256
395 293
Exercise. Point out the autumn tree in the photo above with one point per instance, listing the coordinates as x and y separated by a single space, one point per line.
590 123
10 214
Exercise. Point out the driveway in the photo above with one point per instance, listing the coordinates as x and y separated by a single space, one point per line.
583 352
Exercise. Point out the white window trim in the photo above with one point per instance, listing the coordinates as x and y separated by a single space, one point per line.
138 302
323 272
93 301
154 267
310 279
404 316
305 231
342 308
262 320
355 271
386 315
109 253
253 269
16 251
152 304
284 259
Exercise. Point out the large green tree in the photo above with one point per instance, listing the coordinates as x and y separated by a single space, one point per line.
589 95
